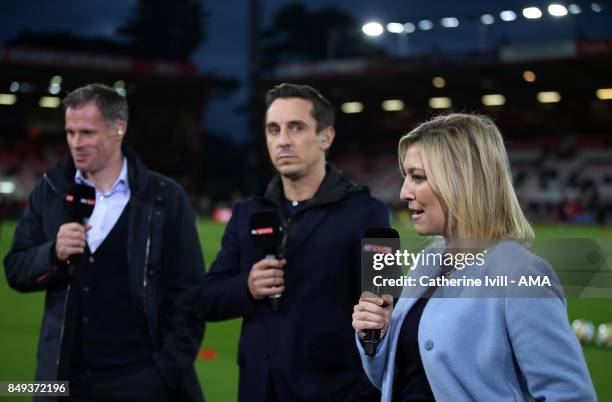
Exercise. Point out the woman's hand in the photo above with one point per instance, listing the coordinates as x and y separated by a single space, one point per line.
372 312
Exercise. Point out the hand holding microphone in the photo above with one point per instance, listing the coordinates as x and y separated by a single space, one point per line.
371 317
71 237
266 278
70 240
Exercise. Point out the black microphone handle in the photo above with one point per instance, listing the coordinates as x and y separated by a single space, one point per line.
371 337
74 260
275 298
370 341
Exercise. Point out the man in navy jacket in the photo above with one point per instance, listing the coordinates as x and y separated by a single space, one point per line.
304 351
122 325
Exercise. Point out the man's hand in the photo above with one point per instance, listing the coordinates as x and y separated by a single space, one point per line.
71 239
266 278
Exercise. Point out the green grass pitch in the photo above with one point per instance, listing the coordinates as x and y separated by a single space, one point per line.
218 373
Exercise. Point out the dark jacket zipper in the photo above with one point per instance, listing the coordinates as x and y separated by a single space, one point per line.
62 329
146 264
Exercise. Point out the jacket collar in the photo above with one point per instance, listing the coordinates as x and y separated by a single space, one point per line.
336 186
62 174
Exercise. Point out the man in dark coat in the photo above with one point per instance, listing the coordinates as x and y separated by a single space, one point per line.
119 320
304 351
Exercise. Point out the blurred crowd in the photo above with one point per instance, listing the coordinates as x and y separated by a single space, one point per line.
565 178
22 162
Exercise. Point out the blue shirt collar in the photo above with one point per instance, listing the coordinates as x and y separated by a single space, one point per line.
120 185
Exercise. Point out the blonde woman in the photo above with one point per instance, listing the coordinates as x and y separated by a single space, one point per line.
498 348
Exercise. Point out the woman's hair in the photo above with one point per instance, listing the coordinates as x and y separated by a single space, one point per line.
467 168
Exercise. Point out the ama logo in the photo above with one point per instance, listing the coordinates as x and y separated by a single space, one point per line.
540 280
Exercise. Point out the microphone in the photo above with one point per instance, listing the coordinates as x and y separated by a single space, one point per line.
266 231
376 241
80 200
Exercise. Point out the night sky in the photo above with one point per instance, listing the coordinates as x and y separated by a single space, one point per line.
225 51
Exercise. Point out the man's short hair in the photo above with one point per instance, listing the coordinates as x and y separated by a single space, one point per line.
113 106
322 110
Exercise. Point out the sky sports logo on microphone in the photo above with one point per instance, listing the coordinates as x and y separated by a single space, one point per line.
85 201
262 231
377 248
